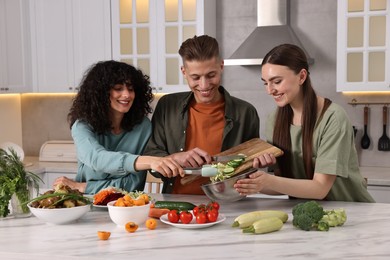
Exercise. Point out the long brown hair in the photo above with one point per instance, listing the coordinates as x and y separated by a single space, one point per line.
295 59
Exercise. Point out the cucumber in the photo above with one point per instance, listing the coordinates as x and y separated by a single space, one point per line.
228 170
178 205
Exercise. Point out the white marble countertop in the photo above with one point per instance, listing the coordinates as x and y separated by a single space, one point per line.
365 235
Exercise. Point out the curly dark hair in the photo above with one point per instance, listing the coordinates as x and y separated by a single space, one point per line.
92 102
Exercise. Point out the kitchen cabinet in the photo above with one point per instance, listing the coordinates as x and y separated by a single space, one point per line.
148 34
15 58
67 37
363 45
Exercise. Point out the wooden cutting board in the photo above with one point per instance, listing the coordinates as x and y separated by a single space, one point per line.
252 149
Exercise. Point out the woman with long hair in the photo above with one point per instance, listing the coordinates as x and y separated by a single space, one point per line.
320 159
110 129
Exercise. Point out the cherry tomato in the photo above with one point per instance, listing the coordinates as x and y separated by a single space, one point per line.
215 205
212 215
196 210
185 217
201 218
202 206
173 216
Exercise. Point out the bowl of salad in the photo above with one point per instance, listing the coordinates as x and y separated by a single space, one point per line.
223 190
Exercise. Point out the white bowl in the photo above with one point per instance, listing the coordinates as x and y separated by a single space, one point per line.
60 215
122 215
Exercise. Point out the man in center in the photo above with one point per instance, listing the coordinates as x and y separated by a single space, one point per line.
194 125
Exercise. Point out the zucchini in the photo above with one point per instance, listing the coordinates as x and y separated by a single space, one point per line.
178 205
247 219
265 225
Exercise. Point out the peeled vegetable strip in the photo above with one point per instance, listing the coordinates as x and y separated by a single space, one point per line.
105 196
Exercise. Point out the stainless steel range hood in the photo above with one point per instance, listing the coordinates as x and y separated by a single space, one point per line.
273 28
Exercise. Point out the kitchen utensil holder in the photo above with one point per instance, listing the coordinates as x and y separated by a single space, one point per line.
354 102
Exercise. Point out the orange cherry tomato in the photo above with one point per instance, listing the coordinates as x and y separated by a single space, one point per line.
131 227
151 223
103 235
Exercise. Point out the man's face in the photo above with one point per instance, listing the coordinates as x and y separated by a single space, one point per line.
204 78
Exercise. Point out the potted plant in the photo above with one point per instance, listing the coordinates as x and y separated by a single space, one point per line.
16 184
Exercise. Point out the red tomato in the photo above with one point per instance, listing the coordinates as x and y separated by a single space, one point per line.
195 211
215 205
212 215
201 218
202 206
173 216
185 217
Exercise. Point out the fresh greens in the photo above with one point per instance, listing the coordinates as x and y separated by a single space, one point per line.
59 200
14 179
226 171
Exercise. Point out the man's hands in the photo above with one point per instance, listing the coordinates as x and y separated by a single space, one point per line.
192 158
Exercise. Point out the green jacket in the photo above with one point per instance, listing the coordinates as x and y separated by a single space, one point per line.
170 120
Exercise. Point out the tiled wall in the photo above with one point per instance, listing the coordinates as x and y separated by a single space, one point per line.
44 118
10 119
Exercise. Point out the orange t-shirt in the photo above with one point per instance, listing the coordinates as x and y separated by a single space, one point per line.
205 131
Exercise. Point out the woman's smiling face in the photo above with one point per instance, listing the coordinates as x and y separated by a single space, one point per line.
121 98
283 84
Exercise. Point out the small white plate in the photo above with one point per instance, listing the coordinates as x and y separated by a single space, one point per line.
193 224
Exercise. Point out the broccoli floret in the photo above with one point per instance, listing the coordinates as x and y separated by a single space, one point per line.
303 221
306 215
311 215
322 226
335 217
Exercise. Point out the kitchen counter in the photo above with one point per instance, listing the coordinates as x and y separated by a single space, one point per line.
364 236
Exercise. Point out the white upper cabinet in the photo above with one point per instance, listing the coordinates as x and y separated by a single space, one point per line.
15 58
363 45
148 34
68 36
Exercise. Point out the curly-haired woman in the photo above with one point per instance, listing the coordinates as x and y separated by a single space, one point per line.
110 129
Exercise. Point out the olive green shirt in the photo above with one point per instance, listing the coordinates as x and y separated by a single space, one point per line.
170 121
334 153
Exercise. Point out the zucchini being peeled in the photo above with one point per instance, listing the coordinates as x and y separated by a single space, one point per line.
178 205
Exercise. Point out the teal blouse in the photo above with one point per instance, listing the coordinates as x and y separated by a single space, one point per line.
107 159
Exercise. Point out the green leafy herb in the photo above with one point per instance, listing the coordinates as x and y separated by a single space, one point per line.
14 179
